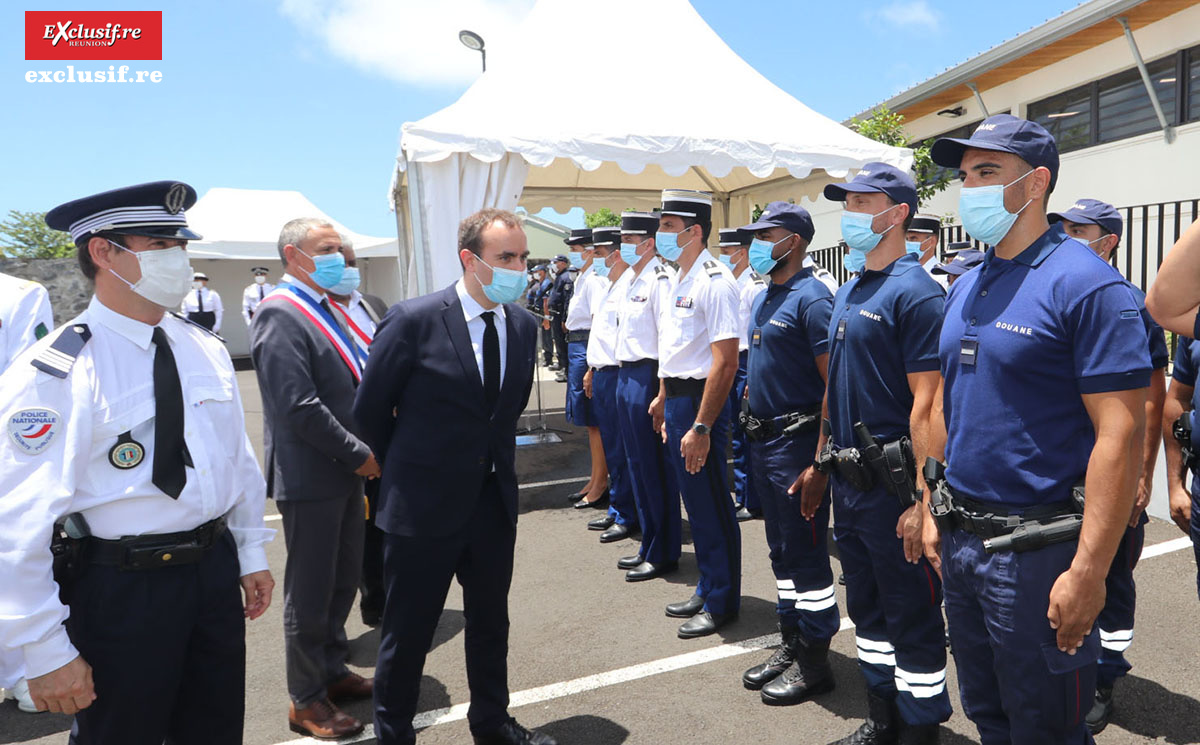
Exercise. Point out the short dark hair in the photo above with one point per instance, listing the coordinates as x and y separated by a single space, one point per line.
84 256
705 226
470 230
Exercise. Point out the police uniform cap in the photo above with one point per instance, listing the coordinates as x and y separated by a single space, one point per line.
200 275
878 177
562 258
1091 212
735 237
259 270
924 224
154 210
639 223
579 237
606 236
687 203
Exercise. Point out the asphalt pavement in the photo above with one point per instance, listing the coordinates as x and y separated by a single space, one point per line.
593 660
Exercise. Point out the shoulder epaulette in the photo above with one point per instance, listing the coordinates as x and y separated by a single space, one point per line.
757 278
58 358
190 322
661 272
713 268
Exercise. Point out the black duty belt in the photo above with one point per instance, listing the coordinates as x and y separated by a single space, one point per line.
599 368
988 520
641 363
159 550
679 387
788 425
581 335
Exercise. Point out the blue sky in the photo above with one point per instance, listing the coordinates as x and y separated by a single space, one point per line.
310 94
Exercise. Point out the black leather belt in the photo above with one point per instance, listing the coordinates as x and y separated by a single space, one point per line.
600 368
641 363
158 550
678 387
790 424
988 520
582 335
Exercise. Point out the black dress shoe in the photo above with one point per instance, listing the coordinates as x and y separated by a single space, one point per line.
647 570
687 608
511 733
615 533
704 623
630 562
599 504
601 523
744 514
575 496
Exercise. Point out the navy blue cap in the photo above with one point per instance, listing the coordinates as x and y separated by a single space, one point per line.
1093 212
966 259
562 258
735 237
1004 133
155 209
579 237
878 177
785 215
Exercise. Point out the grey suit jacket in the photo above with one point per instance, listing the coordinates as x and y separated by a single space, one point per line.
312 447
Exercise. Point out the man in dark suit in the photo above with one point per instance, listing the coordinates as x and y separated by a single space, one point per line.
308 368
450 374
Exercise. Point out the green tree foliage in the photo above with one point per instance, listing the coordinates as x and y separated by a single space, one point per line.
759 209
887 127
25 235
602 218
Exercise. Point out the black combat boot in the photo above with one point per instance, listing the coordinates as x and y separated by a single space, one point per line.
879 729
1102 709
920 734
759 675
810 675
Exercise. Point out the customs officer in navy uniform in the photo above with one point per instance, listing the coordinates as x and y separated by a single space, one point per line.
456 367
126 426
1044 354
883 374
789 331
697 362
556 307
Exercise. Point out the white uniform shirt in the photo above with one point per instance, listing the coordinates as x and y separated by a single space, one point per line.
473 313
646 298
941 279
252 296
583 300
602 344
109 391
212 302
358 314
821 273
749 285
24 307
703 309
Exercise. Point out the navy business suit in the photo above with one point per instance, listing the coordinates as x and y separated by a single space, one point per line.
448 497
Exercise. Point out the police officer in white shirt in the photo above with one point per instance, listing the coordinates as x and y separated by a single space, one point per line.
698 348
922 239
202 305
25 316
255 293
126 426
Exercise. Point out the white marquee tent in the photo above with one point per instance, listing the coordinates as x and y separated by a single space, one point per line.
667 122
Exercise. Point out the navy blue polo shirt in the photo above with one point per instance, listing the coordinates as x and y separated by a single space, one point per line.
885 325
789 329
1023 340
1187 362
1159 358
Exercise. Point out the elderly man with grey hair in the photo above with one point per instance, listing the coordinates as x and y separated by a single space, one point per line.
308 369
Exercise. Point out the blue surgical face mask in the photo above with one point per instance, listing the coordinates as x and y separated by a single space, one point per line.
857 232
914 248
668 245
349 283
726 260
327 269
629 253
761 259
855 260
575 259
983 214
506 285
600 267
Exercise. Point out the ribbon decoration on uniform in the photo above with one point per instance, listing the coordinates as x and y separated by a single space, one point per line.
324 321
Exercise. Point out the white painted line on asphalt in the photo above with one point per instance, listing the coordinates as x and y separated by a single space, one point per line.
629 674
271 518
556 482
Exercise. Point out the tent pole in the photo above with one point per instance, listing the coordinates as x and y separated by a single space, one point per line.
403 241
416 220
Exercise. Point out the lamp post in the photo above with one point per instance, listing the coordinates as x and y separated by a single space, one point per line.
472 40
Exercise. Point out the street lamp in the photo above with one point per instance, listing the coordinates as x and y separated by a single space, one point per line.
472 40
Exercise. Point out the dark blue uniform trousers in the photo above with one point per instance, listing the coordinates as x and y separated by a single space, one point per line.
895 605
1116 619
604 405
1194 524
579 406
418 570
1015 685
799 549
744 492
716 536
167 648
652 479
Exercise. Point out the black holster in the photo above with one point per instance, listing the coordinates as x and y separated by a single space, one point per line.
1181 430
893 464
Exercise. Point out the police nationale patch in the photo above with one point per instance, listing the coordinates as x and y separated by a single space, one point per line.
33 430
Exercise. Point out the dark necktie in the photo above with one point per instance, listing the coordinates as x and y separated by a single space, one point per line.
170 450
491 360
260 293
200 301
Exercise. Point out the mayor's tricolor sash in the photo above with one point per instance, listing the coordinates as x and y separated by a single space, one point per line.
362 339
325 322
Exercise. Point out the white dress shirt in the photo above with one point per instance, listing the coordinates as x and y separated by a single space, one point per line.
473 313
24 305
703 310
252 296
579 311
750 283
602 343
646 299
109 391
212 302
358 314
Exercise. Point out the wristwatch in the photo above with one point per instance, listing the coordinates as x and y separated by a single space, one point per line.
702 429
